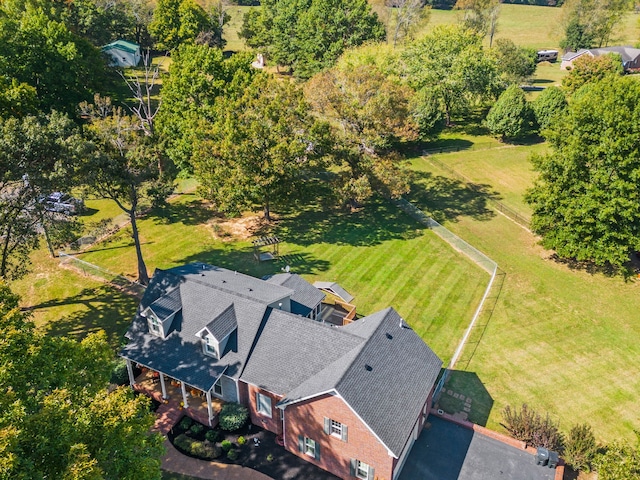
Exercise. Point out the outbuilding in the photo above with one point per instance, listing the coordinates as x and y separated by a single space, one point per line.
122 53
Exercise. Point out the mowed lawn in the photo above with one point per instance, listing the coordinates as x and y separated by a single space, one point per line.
504 171
378 254
563 341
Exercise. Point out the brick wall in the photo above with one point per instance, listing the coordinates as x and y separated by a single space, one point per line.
307 419
248 397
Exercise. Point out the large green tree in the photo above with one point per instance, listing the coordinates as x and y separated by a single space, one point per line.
57 418
310 35
43 53
586 200
588 69
126 166
619 461
37 156
262 148
514 63
178 21
450 66
511 116
372 112
591 23
198 77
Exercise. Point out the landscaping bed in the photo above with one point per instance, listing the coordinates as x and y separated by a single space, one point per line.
254 448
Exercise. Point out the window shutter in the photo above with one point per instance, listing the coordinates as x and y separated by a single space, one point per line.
371 472
317 450
300 443
344 433
327 425
352 467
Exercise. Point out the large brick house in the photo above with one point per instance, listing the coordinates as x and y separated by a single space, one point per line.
351 399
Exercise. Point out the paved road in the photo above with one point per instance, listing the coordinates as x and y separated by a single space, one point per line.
447 451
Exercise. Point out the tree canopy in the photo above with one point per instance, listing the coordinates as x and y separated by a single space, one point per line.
39 51
310 35
511 116
588 69
57 418
261 148
590 23
450 66
586 200
373 112
176 22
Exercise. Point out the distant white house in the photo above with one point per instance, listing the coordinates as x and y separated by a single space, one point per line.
123 53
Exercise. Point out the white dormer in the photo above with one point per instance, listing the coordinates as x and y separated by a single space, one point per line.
160 314
215 334
211 346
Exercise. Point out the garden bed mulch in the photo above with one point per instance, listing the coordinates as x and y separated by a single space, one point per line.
260 452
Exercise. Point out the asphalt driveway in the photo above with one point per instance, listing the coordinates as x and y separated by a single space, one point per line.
447 451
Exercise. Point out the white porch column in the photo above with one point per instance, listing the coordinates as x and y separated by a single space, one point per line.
184 395
163 386
209 408
132 379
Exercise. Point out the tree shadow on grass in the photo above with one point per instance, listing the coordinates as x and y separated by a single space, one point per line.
234 257
191 211
446 199
376 222
104 308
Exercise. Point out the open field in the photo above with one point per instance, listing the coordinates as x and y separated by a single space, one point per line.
378 254
527 25
504 171
561 340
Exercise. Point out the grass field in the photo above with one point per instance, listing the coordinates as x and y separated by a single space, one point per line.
527 25
561 340
378 254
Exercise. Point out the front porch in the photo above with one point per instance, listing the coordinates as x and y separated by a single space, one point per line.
193 402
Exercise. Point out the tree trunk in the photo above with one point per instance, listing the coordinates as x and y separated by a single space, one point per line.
267 213
5 252
48 240
143 275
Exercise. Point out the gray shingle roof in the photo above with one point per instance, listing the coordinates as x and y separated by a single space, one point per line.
232 282
305 296
180 354
386 379
291 349
223 324
167 304
378 365
628 53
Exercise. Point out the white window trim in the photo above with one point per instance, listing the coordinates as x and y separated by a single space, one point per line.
310 447
360 467
154 325
259 407
336 429
209 348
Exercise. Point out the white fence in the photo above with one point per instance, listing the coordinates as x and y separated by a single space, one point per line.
114 279
488 265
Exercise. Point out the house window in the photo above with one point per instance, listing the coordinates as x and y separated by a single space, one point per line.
336 428
209 348
217 389
362 470
310 447
263 404
154 325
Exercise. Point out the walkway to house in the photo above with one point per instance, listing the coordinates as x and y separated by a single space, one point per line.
176 462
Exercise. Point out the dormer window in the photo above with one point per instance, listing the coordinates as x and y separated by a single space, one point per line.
210 347
154 324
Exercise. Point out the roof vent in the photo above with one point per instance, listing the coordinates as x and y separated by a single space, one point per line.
368 367
251 289
389 336
224 281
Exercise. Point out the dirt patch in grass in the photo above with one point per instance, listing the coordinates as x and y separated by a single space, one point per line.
241 228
